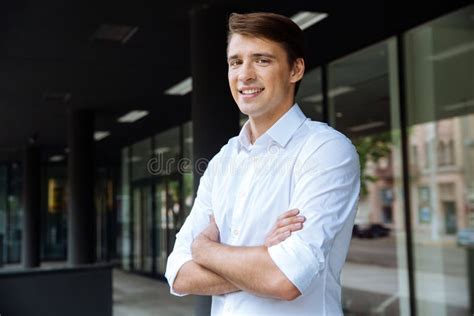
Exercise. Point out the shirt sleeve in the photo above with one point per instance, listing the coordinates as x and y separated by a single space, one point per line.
195 223
326 192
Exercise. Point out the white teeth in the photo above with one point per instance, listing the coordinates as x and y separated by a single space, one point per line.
251 91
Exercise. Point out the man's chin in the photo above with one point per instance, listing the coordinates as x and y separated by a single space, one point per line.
248 109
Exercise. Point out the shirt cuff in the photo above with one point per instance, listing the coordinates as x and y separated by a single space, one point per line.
297 261
175 262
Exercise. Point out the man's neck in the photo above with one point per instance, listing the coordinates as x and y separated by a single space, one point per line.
259 125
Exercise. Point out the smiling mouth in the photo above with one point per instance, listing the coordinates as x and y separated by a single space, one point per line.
251 92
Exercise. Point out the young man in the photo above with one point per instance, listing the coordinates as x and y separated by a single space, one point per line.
236 244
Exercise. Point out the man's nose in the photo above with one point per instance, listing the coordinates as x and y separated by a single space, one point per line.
247 72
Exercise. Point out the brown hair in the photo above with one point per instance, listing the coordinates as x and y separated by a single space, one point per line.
271 26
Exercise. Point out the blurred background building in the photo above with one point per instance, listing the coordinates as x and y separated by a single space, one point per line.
109 111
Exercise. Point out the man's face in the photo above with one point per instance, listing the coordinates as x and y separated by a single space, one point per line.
260 78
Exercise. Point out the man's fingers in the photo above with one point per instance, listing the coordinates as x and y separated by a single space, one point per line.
292 228
292 212
290 220
276 239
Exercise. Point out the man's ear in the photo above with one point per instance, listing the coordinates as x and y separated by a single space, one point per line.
298 70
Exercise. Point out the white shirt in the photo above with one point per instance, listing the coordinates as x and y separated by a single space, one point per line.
297 163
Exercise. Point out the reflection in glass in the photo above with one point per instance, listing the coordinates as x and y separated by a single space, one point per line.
440 102
124 209
161 224
14 214
188 179
3 212
141 154
363 98
55 217
309 96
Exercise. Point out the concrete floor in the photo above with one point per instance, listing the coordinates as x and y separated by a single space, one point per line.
135 295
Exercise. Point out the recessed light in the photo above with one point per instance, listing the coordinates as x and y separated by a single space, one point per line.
56 158
454 51
99 135
459 105
132 116
181 88
363 127
162 150
318 97
306 19
115 33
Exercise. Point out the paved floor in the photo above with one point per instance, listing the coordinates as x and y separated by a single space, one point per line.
135 295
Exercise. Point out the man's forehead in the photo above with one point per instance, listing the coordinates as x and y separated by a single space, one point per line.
251 45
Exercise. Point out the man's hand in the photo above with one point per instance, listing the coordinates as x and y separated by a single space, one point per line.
211 233
287 223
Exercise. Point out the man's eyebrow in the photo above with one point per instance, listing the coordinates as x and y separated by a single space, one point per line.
254 56
264 55
232 57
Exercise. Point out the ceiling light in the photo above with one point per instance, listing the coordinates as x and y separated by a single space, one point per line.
56 158
181 88
305 19
132 116
136 159
315 98
363 127
162 150
115 33
99 135
459 106
456 50
62 97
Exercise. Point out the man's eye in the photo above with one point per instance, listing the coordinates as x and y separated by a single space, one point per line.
234 63
262 61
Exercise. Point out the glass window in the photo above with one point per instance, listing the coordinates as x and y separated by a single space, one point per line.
309 96
3 212
363 99
440 102
167 151
141 154
124 207
55 213
14 213
187 168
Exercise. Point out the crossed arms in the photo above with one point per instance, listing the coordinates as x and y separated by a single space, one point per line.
218 269
326 192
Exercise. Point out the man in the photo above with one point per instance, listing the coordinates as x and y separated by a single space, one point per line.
236 244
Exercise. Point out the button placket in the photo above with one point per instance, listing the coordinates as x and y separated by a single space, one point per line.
242 195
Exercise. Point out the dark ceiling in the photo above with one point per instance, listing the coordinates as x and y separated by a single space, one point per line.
46 47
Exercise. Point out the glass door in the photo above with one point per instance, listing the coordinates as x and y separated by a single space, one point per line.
168 219
142 224
440 103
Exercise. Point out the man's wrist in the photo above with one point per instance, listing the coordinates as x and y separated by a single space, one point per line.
199 249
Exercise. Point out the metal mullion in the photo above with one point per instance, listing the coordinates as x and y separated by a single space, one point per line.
406 172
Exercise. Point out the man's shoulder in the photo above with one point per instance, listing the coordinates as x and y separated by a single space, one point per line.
322 141
318 133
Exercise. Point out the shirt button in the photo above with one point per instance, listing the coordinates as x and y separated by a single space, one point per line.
235 232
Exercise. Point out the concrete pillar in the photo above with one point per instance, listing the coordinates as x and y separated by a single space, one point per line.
81 217
31 207
215 115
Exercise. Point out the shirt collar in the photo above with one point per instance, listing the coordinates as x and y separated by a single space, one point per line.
281 131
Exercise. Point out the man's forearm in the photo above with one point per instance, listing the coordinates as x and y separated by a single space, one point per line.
249 268
192 278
